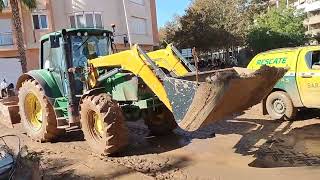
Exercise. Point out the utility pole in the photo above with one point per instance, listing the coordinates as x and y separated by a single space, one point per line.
127 21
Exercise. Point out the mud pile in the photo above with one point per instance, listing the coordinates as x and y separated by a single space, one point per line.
220 94
9 111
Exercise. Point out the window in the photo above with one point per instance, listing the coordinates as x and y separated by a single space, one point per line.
141 2
40 21
86 20
139 25
5 3
313 59
73 22
98 19
89 20
45 54
80 21
89 47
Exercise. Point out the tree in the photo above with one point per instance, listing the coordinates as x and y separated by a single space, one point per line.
277 28
167 33
213 24
30 4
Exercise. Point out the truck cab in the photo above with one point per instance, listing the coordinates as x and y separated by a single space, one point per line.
300 86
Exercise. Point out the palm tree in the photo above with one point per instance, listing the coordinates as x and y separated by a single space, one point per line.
30 4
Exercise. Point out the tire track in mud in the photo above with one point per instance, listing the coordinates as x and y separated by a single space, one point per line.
155 166
277 157
149 161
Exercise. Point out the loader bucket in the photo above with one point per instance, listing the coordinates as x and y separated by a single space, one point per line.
218 94
9 111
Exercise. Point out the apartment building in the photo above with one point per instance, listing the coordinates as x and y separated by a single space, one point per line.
312 8
280 3
52 15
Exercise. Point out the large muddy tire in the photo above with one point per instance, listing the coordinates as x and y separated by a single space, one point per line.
161 121
279 106
37 114
103 124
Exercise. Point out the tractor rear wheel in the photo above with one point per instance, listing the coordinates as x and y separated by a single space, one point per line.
37 114
161 121
103 124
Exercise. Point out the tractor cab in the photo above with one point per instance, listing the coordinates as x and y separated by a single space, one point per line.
84 43
72 48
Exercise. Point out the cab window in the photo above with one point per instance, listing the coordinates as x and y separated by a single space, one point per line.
51 57
45 52
89 47
57 58
313 60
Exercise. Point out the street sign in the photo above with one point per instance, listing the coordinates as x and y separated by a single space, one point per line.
187 53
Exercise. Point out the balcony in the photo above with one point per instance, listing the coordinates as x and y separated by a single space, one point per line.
6 39
312 20
308 6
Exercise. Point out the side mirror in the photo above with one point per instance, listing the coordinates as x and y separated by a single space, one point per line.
125 41
113 26
54 41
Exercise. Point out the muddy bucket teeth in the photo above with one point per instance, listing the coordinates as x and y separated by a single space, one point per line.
218 94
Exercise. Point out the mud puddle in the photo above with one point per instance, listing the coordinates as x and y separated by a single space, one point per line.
289 151
310 145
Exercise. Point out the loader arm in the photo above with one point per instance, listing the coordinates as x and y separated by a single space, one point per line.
171 60
195 104
133 61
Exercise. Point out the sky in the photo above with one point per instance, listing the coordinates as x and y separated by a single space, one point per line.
166 9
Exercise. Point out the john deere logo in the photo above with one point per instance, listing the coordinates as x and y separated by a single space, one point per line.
272 61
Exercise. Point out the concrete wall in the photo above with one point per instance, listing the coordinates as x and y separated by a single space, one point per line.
32 36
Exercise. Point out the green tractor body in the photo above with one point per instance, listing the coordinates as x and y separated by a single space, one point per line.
53 71
53 98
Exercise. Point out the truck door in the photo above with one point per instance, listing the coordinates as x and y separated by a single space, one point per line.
308 77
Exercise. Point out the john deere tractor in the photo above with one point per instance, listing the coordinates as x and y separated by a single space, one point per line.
82 82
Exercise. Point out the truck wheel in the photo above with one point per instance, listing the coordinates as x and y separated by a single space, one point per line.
280 106
103 124
161 121
37 114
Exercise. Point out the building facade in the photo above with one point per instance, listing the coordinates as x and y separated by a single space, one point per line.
312 8
53 15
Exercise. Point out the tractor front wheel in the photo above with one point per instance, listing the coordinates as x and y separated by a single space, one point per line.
160 121
37 114
103 124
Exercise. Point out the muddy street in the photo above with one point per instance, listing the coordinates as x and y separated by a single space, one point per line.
249 145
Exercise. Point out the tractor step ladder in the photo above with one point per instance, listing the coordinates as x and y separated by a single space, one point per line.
62 120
